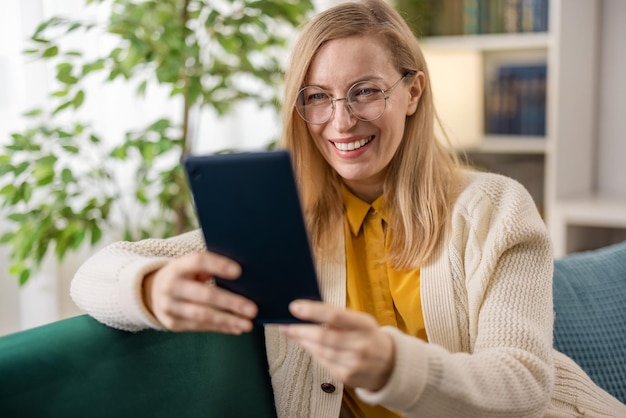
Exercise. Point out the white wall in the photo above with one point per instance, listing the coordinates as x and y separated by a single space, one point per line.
612 100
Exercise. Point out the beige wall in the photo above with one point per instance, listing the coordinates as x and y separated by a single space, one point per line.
611 157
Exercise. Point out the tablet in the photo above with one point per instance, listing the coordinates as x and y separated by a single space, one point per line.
249 210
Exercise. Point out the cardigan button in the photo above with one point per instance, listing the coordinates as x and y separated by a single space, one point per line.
328 387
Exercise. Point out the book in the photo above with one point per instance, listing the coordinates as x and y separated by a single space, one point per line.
511 16
471 14
471 17
515 102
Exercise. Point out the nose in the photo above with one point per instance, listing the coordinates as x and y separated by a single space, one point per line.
342 119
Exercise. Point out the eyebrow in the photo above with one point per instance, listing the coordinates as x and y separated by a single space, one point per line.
366 78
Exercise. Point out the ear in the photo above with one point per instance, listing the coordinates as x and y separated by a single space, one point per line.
415 92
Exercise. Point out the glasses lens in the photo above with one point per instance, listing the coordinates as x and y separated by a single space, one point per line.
366 100
314 105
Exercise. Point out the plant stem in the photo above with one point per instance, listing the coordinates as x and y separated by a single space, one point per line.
186 103
179 209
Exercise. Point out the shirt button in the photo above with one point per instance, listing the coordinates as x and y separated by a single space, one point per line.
328 387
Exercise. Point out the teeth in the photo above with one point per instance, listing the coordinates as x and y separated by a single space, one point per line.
351 146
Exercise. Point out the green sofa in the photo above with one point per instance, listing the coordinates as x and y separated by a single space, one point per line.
80 368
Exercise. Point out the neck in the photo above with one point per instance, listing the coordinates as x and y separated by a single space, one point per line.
365 191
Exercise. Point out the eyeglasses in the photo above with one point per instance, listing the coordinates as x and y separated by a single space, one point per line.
366 101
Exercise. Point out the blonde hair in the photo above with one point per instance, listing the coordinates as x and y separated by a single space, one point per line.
420 175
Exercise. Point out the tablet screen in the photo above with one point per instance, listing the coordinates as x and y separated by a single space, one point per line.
249 210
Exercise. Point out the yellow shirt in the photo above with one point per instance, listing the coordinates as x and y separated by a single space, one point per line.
373 286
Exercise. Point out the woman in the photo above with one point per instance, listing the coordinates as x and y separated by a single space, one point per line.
436 280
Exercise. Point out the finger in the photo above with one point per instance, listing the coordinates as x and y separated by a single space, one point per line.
221 299
184 316
324 340
206 265
319 312
362 359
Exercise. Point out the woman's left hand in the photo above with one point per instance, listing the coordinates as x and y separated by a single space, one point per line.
347 343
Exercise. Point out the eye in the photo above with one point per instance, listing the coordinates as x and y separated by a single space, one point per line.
316 97
313 96
365 92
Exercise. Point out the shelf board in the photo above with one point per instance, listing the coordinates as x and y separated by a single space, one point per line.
511 145
599 211
489 42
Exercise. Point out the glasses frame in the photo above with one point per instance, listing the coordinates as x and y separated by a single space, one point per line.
333 100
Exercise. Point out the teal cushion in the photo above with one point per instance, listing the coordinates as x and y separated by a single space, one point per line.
590 314
81 368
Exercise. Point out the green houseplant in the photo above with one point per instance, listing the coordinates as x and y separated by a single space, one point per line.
62 186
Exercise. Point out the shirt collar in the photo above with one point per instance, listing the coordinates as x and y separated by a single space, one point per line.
357 209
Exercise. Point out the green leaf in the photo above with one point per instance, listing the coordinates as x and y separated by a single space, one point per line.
78 238
27 192
19 138
67 78
50 52
160 125
141 89
49 160
39 40
24 276
44 170
141 196
119 153
8 190
67 176
60 93
93 66
5 169
73 27
6 237
63 134
96 233
62 107
79 98
72 149
33 112
18 217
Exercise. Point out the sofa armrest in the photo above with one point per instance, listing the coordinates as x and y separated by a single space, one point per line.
78 367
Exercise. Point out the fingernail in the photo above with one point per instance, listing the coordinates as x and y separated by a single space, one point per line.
244 326
233 269
295 306
249 310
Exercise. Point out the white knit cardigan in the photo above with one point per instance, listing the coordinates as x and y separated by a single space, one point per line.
487 306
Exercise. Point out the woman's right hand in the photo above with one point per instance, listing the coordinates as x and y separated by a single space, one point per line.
182 297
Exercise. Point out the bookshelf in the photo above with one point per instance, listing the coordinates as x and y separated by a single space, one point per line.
562 165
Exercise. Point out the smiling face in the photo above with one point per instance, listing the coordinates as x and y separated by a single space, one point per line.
361 151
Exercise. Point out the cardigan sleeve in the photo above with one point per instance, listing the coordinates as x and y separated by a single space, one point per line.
490 330
108 285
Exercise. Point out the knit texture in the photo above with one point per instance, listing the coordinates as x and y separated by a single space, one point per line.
590 322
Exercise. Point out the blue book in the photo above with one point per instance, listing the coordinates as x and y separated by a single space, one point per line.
516 101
